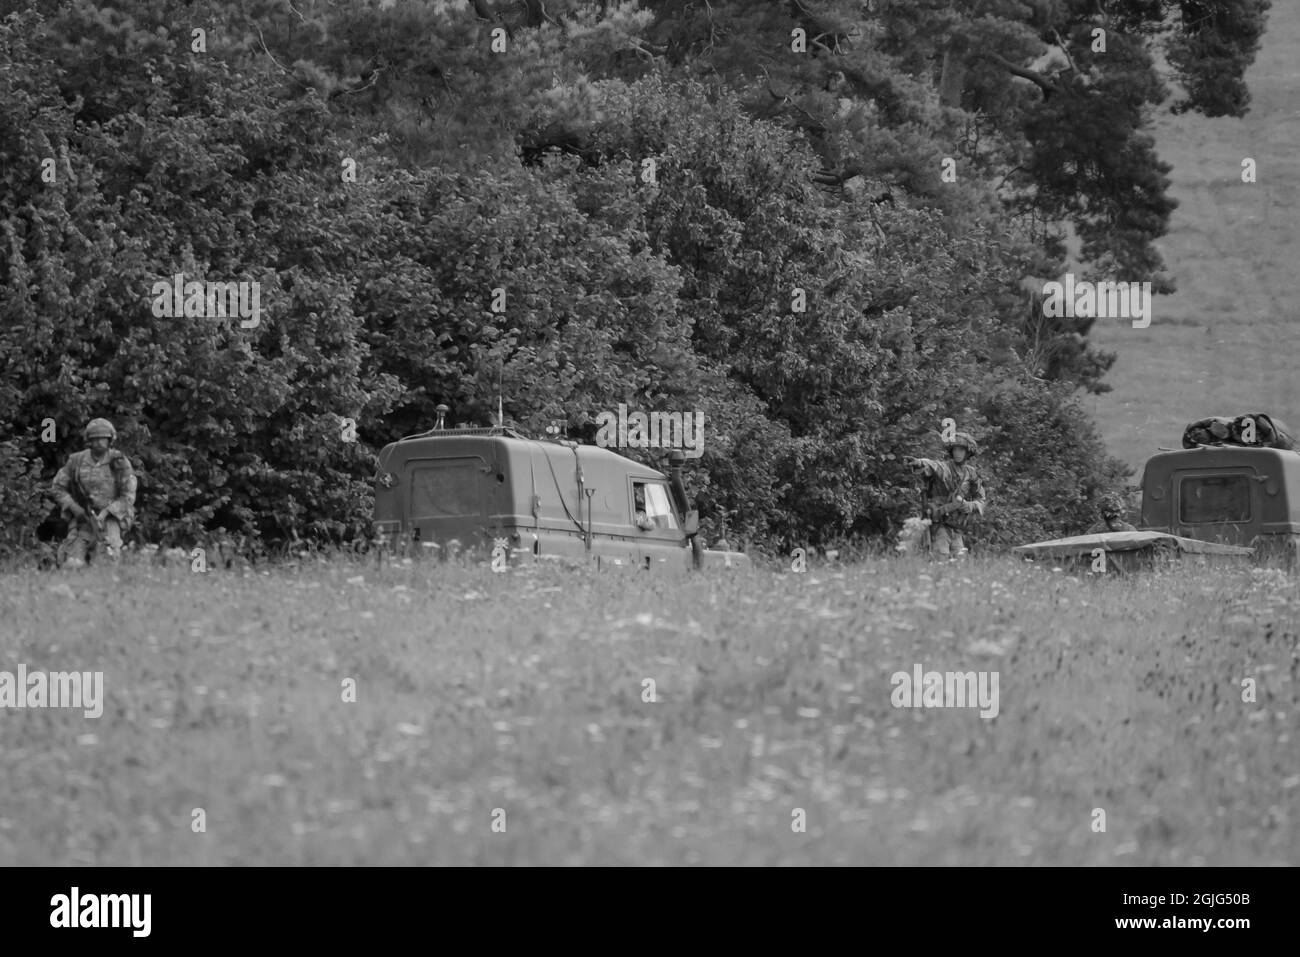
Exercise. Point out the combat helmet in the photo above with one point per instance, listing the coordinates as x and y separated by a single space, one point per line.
100 429
1111 506
966 441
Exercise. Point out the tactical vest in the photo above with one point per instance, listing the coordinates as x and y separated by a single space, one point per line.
118 464
942 488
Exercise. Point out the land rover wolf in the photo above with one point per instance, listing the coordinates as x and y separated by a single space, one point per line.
494 489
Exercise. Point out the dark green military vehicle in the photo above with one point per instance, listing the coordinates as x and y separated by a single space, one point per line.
1232 491
1226 494
472 488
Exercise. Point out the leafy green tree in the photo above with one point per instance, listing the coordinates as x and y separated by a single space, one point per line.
231 426
666 228
1045 107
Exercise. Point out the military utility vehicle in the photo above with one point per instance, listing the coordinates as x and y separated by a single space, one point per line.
1226 494
498 491
1232 490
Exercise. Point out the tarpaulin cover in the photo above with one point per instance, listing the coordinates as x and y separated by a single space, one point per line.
1078 545
1270 432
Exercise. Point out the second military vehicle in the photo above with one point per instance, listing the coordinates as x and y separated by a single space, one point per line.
1233 490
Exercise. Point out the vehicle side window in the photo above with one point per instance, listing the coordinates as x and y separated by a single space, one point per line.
1206 499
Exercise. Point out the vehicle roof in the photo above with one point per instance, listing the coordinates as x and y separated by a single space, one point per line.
1223 456
516 449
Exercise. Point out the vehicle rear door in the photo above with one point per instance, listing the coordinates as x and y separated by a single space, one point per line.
448 498
1217 505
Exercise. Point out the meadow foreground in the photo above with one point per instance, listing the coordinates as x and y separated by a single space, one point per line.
520 700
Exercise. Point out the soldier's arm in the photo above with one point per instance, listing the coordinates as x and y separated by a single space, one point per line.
62 490
121 505
928 466
977 497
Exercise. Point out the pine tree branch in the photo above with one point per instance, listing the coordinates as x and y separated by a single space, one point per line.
1066 50
262 40
830 178
1042 82
713 33
374 78
775 95
484 12
644 51
537 14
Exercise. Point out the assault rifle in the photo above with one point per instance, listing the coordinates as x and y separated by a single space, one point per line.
96 526
940 511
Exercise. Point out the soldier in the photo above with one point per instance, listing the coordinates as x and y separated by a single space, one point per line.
640 518
1111 511
953 493
96 490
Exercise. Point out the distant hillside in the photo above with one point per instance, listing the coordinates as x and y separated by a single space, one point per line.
1229 340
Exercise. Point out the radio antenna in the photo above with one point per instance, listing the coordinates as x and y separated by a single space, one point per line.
501 419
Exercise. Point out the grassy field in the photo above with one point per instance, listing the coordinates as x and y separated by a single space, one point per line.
524 691
1228 341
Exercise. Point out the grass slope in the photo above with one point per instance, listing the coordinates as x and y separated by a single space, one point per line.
1229 340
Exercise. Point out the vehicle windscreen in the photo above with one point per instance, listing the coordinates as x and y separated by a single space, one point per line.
1205 499
658 507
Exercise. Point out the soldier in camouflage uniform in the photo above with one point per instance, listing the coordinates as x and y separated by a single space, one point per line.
1112 517
953 493
96 490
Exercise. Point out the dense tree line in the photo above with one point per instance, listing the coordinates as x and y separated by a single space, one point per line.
813 221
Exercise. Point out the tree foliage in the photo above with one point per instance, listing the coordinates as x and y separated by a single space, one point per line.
679 210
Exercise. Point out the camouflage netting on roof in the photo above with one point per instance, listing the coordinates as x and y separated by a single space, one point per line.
1269 432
